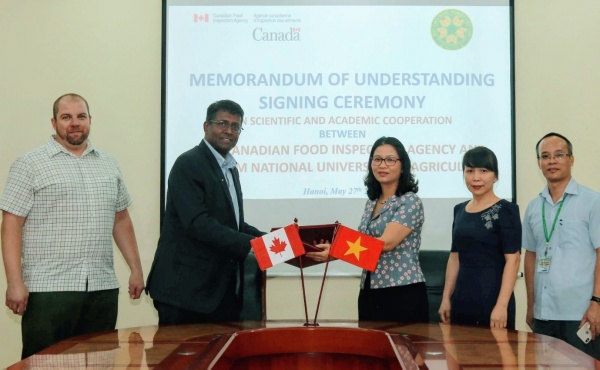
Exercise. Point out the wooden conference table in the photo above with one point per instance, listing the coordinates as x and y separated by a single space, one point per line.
290 345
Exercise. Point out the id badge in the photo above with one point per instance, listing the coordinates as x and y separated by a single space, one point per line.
543 264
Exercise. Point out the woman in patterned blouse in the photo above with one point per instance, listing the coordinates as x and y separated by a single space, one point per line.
395 291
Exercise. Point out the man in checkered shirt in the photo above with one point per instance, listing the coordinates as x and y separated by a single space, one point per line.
63 204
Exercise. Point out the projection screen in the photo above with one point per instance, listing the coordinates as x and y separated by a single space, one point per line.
320 81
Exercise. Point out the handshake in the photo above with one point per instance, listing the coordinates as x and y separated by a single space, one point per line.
298 246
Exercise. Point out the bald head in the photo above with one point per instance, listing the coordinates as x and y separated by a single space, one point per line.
70 97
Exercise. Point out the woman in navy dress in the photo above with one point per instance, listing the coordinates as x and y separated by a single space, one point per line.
485 255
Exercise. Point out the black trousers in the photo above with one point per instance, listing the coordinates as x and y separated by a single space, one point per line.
228 310
406 303
54 316
567 331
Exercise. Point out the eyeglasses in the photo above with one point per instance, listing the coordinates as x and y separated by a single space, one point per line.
389 161
558 157
224 125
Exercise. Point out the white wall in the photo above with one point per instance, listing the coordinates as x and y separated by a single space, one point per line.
110 50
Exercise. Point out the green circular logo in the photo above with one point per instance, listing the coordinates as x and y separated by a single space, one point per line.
451 29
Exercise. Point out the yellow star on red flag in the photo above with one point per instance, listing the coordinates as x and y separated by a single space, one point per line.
363 252
355 248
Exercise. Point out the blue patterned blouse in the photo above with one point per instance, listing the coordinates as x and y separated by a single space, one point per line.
400 266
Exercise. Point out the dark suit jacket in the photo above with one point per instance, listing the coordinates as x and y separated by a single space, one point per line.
200 247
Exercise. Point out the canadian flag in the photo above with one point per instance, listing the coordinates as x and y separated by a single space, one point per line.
200 18
278 246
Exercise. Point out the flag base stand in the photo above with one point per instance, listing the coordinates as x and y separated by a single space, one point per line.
303 293
322 285
320 292
314 323
344 242
308 236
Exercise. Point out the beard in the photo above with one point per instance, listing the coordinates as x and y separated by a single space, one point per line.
77 139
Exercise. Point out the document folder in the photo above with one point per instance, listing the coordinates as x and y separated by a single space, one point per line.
311 235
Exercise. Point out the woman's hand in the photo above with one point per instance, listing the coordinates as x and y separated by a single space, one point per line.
444 311
499 317
321 255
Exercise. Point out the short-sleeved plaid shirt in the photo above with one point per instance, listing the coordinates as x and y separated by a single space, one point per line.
69 204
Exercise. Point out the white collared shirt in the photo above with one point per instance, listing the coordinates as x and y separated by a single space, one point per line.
226 165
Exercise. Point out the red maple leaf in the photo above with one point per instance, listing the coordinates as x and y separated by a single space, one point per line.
278 246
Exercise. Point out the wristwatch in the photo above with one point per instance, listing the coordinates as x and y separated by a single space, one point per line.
595 299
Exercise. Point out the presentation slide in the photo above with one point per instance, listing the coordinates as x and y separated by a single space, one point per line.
321 81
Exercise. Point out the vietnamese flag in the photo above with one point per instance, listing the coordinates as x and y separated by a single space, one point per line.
356 248
278 246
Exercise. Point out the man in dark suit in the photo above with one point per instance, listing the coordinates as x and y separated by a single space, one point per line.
196 273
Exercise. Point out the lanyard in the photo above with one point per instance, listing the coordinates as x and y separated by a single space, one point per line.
546 235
